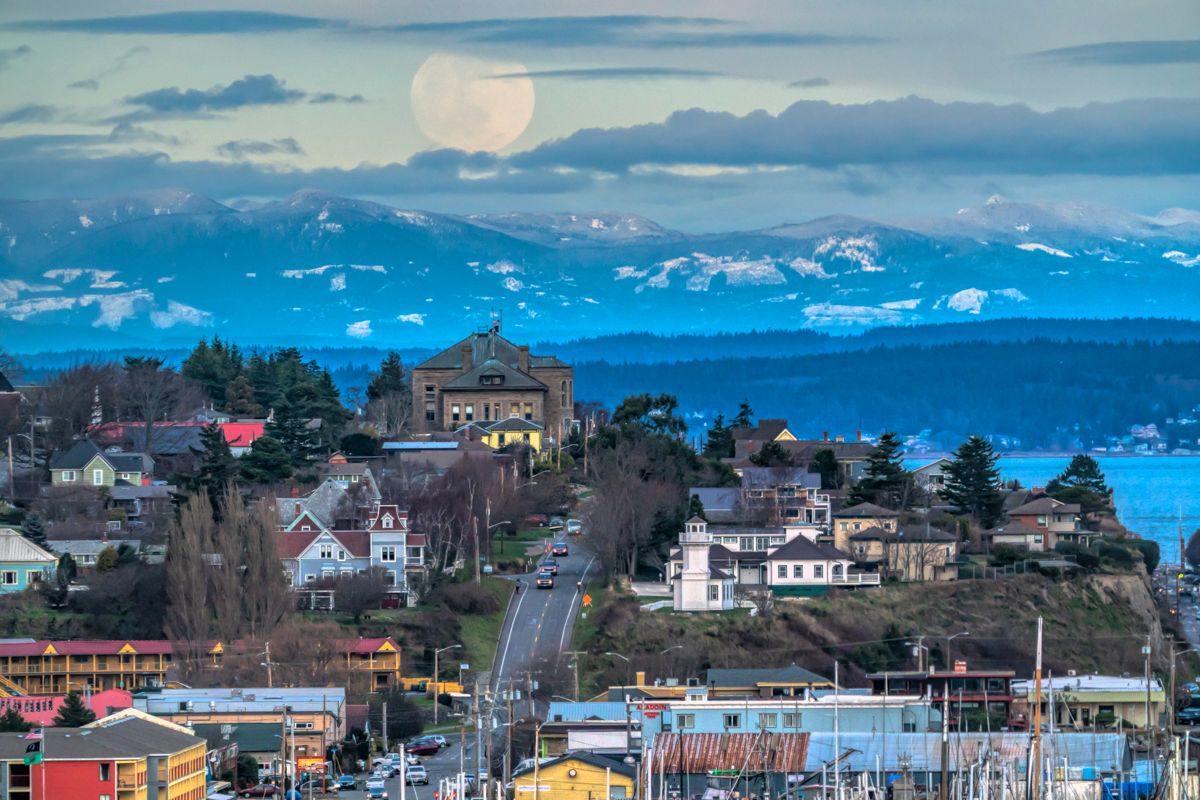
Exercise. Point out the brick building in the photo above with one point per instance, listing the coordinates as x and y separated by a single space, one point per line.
485 378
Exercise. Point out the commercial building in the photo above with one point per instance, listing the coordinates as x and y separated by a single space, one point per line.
1084 702
577 776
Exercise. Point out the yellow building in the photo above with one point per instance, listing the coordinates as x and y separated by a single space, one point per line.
498 435
860 518
575 776
1084 702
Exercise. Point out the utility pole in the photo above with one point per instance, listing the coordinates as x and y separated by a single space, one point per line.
385 741
944 785
1150 730
1171 682
478 727
576 654
508 738
11 490
270 675
1035 765
488 742
529 691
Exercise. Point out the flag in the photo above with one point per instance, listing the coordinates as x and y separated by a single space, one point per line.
33 753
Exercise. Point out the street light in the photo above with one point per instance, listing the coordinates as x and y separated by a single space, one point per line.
921 653
949 639
437 678
628 664
669 649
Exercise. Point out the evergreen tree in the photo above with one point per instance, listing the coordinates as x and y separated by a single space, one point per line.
34 530
973 481
771 454
885 482
73 713
67 570
651 414
217 465
390 378
240 399
294 434
12 722
1081 482
825 464
107 560
389 396
267 462
720 440
696 508
213 366
745 416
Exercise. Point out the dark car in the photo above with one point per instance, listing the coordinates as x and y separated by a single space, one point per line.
419 748
545 580
559 549
1188 716
550 565
535 521
261 790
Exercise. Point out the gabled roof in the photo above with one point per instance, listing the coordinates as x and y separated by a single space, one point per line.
1045 505
869 510
294 545
791 674
16 549
291 544
5 385
513 378
484 346
85 647
92 547
1013 528
321 502
771 477
514 424
767 430
583 757
83 451
251 737
907 533
933 465
801 549
131 737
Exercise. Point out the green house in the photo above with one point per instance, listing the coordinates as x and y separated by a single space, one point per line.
85 464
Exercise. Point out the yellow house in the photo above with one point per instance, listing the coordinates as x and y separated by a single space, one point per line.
860 518
513 430
575 776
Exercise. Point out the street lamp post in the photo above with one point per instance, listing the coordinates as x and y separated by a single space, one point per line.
628 664
949 639
437 678
921 653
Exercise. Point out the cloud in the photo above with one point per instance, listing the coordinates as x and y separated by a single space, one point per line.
12 54
360 329
1182 51
613 73
809 83
181 23
118 65
942 138
244 148
252 90
30 112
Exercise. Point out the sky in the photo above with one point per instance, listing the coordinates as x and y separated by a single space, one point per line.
701 115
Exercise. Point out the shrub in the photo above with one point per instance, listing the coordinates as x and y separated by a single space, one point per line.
1150 552
1116 555
1003 555
468 598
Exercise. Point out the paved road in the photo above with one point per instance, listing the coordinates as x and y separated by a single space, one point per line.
540 621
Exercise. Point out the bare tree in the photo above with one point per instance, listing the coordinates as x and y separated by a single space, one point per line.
759 595
189 616
358 594
148 392
621 517
265 596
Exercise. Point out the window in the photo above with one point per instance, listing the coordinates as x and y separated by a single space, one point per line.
430 410
327 572
455 412
390 577
469 411
797 570
309 578
124 476
529 411
341 554
714 592
326 551
766 721
732 720
305 528
97 477
747 543
514 409
492 380
781 570
564 395
68 475
106 772
8 577
818 571
487 412
791 720
33 576
838 571
685 721
387 520
387 553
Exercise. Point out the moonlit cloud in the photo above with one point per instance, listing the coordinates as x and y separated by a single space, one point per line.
252 90
1126 53
246 148
613 73
180 23
7 57
809 83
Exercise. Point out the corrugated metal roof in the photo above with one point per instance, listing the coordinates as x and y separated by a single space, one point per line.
702 752
15 548
594 709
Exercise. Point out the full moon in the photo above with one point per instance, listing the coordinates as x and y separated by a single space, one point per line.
459 101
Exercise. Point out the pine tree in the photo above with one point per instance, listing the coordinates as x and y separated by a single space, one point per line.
720 440
217 465
745 416
73 713
973 481
1081 482
825 464
240 400
293 433
267 462
389 396
885 482
12 722
771 454
696 508
34 530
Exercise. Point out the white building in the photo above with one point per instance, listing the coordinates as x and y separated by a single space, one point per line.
700 585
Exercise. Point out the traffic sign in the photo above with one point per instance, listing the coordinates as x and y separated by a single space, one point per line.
587 599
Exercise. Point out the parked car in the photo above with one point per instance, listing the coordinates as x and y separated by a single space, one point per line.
1190 687
347 782
427 748
261 790
550 565
1188 716
535 521
557 522
559 549
437 737
317 788
416 776
574 527
545 580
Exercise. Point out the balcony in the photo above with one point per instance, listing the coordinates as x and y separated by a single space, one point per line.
855 579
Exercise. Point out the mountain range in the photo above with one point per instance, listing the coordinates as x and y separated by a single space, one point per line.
166 267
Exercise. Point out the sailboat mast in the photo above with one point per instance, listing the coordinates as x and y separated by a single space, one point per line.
1035 760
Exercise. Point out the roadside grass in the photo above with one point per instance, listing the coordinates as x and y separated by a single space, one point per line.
481 633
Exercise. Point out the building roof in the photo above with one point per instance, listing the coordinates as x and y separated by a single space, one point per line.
869 510
583 757
290 544
752 752
514 424
421 445
83 451
472 379
15 548
803 549
247 700
344 468
932 466
906 533
1044 505
128 491
84 647
251 737
1080 684
770 676
1014 528
42 709
243 433
128 737
5 384
484 346
780 476
322 502
766 430
92 547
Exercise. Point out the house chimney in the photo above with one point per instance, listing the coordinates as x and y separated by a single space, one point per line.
824 436
639 677
523 358
858 435
295 490
467 358
839 438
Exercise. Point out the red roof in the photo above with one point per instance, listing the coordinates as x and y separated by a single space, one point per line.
292 543
243 434
415 540
85 647
365 645
358 543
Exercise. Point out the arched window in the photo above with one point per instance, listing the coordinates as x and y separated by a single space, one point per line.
387 520
837 571
563 395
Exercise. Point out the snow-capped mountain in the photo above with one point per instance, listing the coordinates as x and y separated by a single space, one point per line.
318 268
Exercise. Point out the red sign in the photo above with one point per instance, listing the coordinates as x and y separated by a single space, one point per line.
654 706
650 714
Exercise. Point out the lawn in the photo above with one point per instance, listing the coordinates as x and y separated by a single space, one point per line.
480 634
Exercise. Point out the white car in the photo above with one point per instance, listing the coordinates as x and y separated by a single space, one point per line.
375 782
416 775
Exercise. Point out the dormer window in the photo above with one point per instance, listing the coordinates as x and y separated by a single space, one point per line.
387 520
493 379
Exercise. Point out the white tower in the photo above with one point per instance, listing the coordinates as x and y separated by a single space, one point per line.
691 591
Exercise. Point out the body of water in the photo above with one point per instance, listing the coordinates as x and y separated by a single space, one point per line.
1150 492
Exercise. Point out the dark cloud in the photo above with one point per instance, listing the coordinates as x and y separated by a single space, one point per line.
1183 51
30 112
613 73
118 65
1122 138
809 83
12 54
245 148
182 23
252 90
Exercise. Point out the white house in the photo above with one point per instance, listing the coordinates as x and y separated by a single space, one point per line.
699 585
